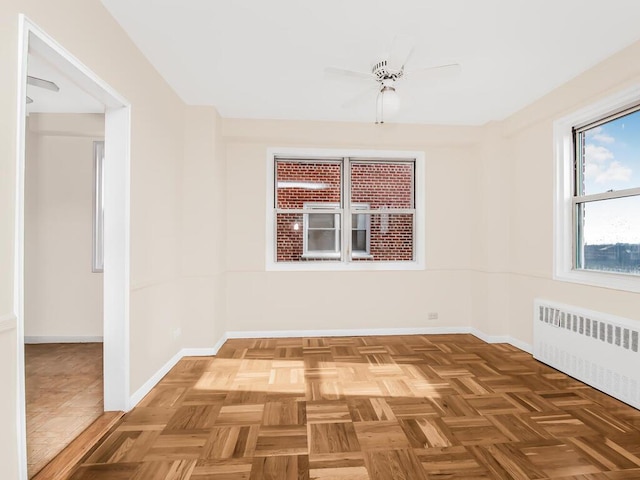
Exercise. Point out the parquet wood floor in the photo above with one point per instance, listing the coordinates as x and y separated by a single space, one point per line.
64 396
380 408
63 463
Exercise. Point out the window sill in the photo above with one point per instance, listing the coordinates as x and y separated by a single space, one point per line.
594 278
362 256
335 256
342 266
321 256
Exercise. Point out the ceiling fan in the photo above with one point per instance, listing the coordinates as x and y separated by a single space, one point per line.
41 83
385 75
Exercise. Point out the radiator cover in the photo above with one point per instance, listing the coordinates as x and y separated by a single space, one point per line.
599 349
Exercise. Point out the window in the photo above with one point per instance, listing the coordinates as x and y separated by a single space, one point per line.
322 234
598 194
97 258
607 194
360 232
335 212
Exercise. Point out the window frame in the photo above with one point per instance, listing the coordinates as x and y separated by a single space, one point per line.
367 228
567 196
329 208
342 264
97 229
322 207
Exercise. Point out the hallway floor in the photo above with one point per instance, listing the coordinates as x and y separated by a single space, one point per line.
64 396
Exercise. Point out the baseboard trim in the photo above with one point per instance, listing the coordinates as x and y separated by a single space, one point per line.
521 345
8 322
204 352
381 332
220 342
33 339
198 352
153 381
501 339
347 332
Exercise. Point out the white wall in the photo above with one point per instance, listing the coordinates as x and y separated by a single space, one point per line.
258 300
63 298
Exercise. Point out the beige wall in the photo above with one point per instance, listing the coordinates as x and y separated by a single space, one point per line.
489 224
515 261
198 193
85 28
63 297
203 228
262 301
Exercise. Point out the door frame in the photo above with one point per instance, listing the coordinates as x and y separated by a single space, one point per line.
116 222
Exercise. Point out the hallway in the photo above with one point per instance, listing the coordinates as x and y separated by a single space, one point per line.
64 396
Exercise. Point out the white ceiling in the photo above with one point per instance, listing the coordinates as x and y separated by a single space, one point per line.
70 98
265 59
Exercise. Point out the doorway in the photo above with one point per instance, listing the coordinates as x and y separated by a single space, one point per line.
63 282
115 289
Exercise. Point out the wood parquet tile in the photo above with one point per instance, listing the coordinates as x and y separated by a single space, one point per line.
422 407
63 384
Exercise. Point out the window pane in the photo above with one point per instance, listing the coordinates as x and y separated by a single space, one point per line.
358 222
322 241
609 233
359 240
610 156
391 238
382 185
321 220
290 239
299 183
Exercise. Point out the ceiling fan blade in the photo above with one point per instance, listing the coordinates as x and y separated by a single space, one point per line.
401 50
343 72
39 82
29 100
437 72
366 95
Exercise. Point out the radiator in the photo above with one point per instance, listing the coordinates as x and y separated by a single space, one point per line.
599 349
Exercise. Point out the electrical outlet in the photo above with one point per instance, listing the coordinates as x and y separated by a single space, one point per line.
177 332
432 315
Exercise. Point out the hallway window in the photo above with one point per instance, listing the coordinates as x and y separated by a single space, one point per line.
97 265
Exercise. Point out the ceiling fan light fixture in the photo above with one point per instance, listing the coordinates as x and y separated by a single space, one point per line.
390 100
388 103
386 73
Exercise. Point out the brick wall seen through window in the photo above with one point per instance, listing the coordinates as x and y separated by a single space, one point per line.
377 196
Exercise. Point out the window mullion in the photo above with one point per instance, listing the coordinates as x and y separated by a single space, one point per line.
390 211
577 250
629 192
577 163
346 217
305 232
